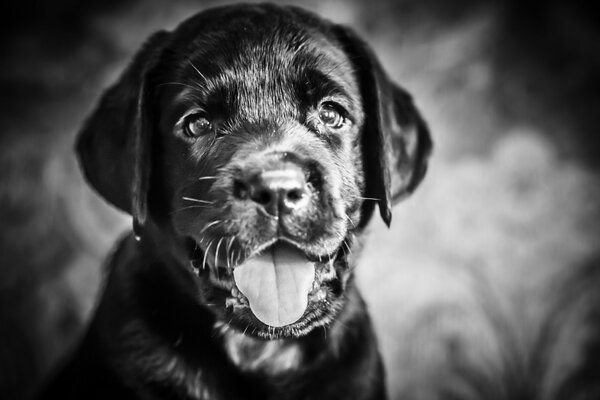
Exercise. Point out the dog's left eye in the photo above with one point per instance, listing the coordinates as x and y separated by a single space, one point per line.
330 116
197 125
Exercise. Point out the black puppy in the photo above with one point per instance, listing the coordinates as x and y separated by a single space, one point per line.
250 145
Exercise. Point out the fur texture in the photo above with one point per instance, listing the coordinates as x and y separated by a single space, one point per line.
201 115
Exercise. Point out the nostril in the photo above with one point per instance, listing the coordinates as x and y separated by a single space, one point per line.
294 195
262 196
240 189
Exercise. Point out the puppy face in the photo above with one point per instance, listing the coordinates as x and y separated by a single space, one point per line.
259 140
261 136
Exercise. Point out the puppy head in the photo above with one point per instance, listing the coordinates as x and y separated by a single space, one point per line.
256 140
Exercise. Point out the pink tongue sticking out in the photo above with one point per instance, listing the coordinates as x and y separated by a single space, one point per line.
276 284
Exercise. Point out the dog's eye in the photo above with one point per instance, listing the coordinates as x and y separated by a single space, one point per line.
197 125
330 116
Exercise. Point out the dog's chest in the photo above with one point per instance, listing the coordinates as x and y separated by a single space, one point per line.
272 357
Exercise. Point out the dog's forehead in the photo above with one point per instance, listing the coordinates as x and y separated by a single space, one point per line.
264 57
255 31
269 54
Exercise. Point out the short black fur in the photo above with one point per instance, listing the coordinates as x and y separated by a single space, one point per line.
170 324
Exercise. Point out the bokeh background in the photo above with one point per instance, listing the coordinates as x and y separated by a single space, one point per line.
487 285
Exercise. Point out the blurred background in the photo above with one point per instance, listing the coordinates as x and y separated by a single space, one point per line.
487 285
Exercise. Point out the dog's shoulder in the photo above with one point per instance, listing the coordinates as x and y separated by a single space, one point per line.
85 372
84 376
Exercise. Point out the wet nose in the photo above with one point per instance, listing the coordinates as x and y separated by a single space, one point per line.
279 191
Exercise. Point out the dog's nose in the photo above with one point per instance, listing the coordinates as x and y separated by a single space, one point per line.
278 191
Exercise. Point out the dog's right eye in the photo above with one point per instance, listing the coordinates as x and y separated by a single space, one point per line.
197 125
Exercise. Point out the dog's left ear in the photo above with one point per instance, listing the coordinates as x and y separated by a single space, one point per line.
395 140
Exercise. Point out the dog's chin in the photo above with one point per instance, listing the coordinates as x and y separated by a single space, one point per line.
234 310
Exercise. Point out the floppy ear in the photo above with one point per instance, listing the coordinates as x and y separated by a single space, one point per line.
395 140
114 145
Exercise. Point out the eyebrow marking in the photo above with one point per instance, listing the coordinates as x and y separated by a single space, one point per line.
325 84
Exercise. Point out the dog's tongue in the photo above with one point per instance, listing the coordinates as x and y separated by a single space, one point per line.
276 284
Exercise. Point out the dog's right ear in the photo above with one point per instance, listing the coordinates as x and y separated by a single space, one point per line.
114 145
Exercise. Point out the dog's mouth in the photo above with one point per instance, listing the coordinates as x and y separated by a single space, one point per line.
277 284
279 290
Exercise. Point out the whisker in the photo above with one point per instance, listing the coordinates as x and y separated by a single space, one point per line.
350 220
197 70
230 243
197 200
223 169
206 253
217 255
369 198
229 254
344 243
337 253
202 178
211 224
176 83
